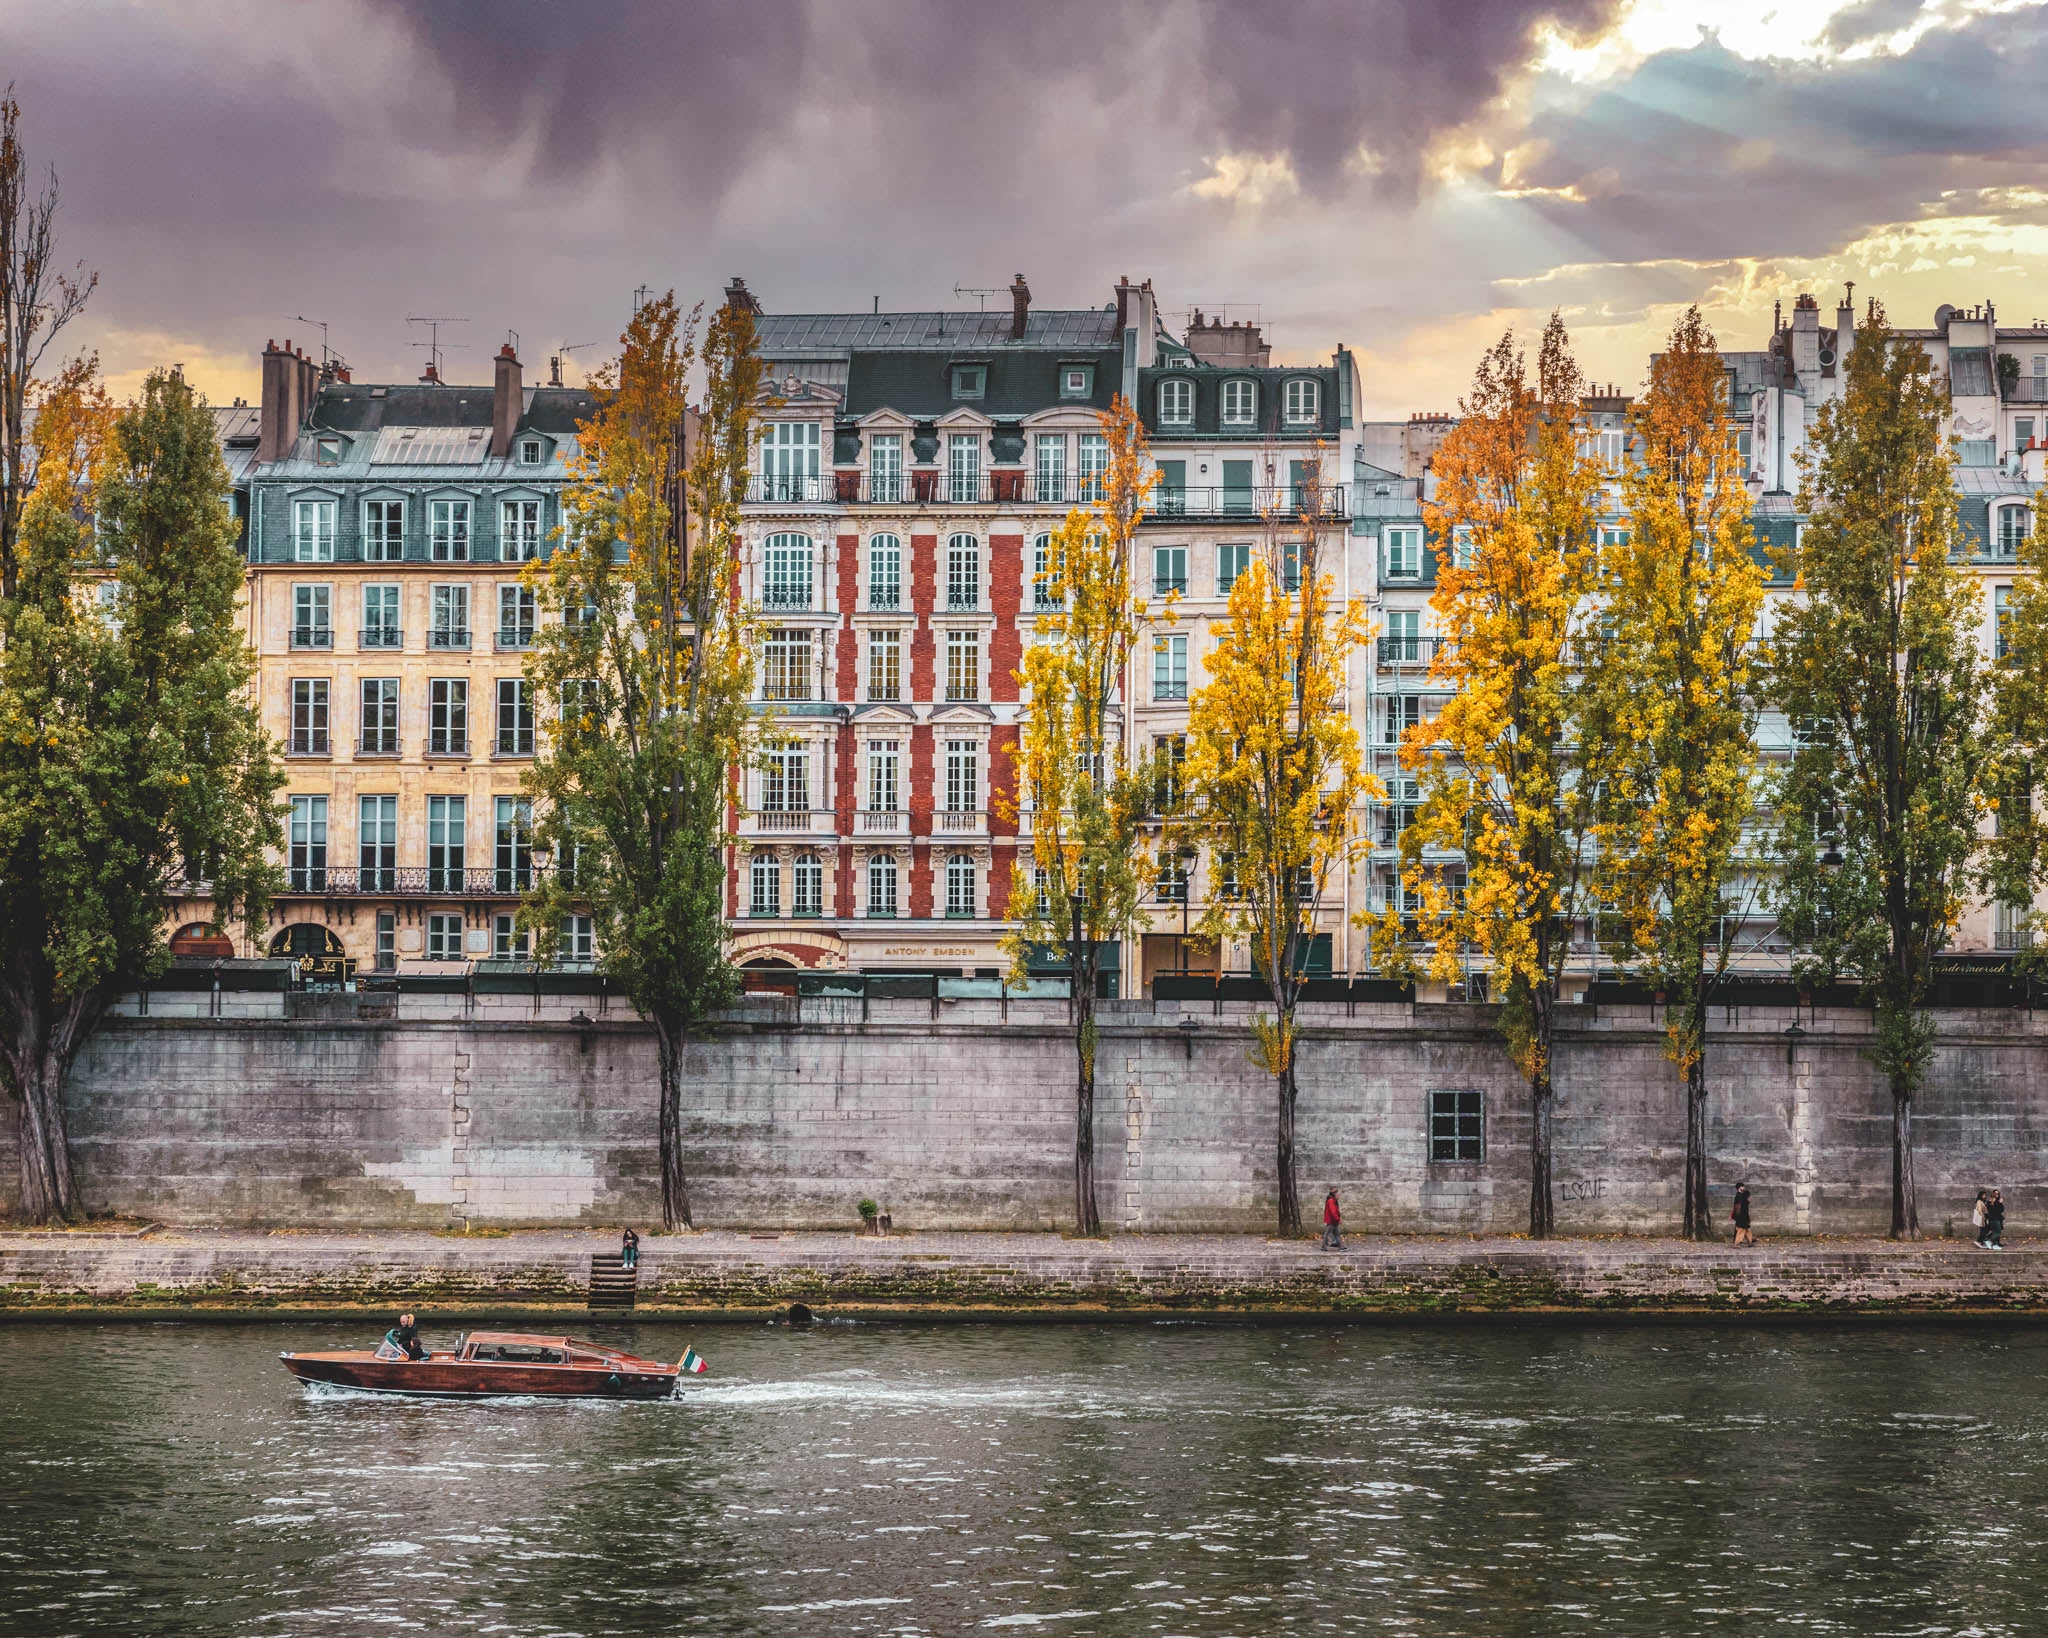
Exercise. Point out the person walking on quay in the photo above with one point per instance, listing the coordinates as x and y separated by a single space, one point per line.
1738 1214
629 1250
1994 1221
1980 1214
1333 1223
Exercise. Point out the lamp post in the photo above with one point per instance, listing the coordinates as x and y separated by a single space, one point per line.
1793 1036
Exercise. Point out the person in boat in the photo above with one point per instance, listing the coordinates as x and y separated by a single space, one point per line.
405 1337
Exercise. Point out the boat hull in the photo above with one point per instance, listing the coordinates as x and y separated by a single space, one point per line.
445 1378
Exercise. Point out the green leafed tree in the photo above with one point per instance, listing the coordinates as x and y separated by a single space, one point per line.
1878 670
131 757
2015 864
642 674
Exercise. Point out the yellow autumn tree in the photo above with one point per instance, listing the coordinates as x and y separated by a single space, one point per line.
1273 781
1673 683
1083 796
1498 769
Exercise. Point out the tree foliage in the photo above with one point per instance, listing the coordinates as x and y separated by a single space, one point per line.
1671 706
1274 779
2015 859
1085 796
1878 670
643 676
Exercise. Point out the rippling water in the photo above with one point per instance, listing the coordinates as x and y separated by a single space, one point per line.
1169 1479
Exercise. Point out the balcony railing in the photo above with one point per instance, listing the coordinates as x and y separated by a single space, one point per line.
380 637
433 882
377 744
881 821
959 821
1330 503
312 636
1401 651
924 486
307 742
799 821
448 637
796 598
514 638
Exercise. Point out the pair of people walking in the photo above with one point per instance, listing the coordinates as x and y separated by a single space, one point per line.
1987 1217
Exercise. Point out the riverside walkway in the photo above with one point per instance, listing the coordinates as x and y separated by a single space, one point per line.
739 1274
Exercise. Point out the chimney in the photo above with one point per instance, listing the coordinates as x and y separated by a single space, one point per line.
738 295
430 377
1020 306
287 398
1123 305
506 402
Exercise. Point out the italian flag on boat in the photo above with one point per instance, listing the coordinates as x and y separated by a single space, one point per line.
693 1362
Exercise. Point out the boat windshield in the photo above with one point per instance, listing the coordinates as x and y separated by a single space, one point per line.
515 1353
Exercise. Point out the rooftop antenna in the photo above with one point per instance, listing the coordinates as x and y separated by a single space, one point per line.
562 351
325 355
640 295
979 293
433 341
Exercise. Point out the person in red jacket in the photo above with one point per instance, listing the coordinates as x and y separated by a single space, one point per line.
1333 1223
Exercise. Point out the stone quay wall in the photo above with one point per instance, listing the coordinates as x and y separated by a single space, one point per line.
503 1111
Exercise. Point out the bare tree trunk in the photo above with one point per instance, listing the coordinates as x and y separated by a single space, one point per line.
675 1187
1698 1222
1542 1215
1290 1193
1905 1197
47 1190
1087 1216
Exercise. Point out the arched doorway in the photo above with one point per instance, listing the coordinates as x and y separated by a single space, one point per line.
768 975
316 950
196 941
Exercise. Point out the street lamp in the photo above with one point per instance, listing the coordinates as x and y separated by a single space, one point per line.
1793 1036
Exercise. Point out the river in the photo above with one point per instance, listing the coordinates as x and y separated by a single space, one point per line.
1170 1478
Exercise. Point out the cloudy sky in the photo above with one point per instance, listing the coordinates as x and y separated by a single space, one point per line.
1404 176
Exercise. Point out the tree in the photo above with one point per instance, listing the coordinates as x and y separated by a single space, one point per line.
1274 778
1672 708
2016 752
131 755
37 299
1877 667
1085 796
646 674
1500 769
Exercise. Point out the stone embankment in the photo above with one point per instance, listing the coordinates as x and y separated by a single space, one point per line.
195 1272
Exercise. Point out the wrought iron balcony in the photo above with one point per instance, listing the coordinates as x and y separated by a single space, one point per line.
433 882
448 637
380 637
312 636
1407 651
1326 504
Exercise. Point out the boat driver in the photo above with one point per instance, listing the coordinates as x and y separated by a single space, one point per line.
405 1337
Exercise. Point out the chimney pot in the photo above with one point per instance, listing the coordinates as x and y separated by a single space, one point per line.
507 399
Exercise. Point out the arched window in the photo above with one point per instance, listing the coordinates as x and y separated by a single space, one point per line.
786 572
1046 590
1301 402
960 885
963 572
807 886
1240 402
885 572
766 880
882 885
2011 530
1176 403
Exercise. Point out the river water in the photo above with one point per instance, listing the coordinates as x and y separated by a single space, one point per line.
1174 1478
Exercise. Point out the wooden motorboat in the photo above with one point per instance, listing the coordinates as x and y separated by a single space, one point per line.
487 1364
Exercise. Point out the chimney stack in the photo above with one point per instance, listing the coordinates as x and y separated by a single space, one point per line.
289 380
1020 306
1123 305
507 400
738 295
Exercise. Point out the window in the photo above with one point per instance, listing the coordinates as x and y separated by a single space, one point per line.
885 468
309 716
883 762
2001 607
1052 468
963 665
1170 878
448 717
377 844
327 452
1076 380
1404 711
312 622
377 718
786 665
529 452
309 844
380 618
1301 403
447 841
1231 561
1170 494
582 703
789 461
970 380
449 626
786 777
508 940
1290 565
313 531
1176 403
387 940
1170 667
1608 446
518 608
1169 570
885 665
1237 486
1457 1126
1169 757
1977 452
1404 796
383 531
786 572
444 935
806 886
2022 431
1463 547
518 530
578 943
1402 645
1047 591
882 886
960 885
2012 530
963 776
512 845
963 572
448 531
1094 463
1404 554
1240 403
963 466
764 878
885 572
515 717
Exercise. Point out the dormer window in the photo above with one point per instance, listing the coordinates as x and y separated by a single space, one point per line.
1301 401
1176 403
1240 403
529 452
1077 380
970 380
327 452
